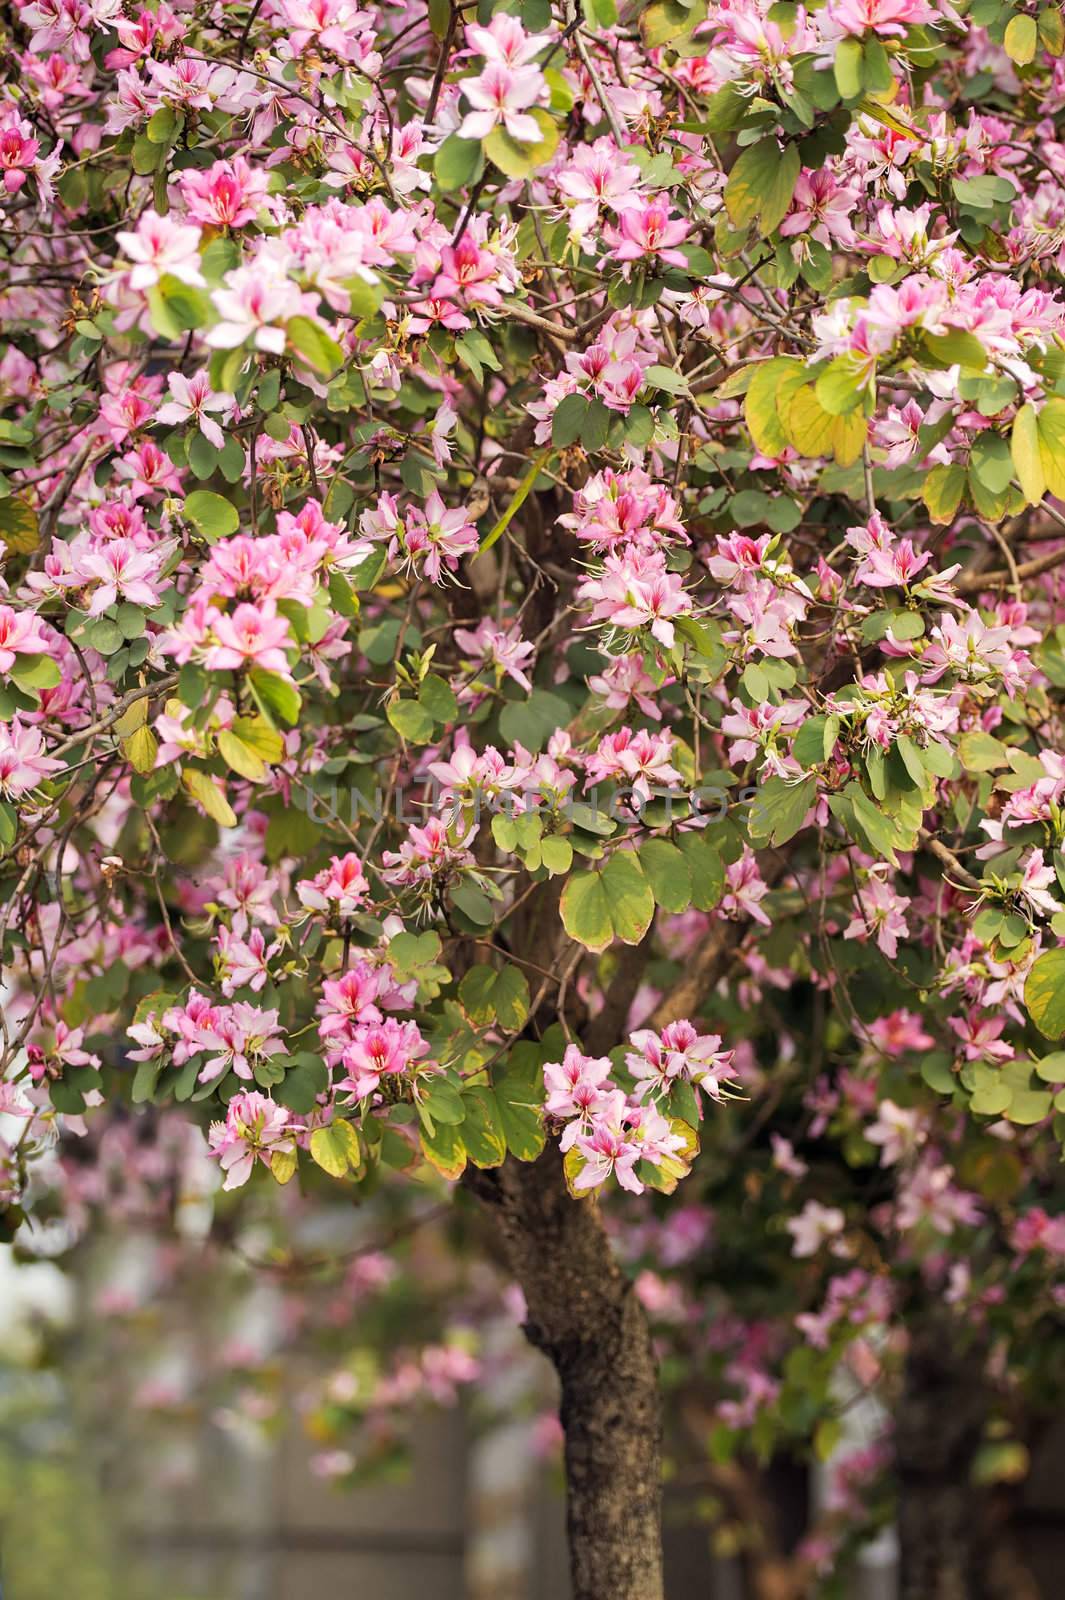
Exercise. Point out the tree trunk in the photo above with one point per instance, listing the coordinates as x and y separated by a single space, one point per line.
955 1542
583 1314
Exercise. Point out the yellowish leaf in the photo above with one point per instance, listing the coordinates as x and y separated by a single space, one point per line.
207 793
1027 458
141 748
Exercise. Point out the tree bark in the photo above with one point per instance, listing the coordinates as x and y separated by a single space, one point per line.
583 1314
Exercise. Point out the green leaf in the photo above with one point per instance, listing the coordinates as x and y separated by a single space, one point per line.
842 385
488 995
517 159
275 694
815 740
613 902
665 378
706 869
586 910
990 461
438 699
211 514
177 308
936 1072
411 721
667 871
312 343
780 808
162 125
942 491
556 854
335 1148
531 722
568 420
283 1164
761 184
440 1101
458 162
35 672
306 1077
140 749
1044 993
670 22
473 903
519 1091
19 529
483 1132
8 825
260 737
444 1149
768 394
984 192
239 757
1051 1068
956 346
848 66
1028 1106
982 752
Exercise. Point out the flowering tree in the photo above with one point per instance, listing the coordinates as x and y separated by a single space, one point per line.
522 528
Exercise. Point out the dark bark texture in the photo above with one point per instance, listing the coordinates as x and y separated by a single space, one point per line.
584 1316
955 1538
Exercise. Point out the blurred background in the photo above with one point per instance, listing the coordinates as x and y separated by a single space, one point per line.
253 1397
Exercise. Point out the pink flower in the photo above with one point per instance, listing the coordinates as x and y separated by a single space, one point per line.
577 1087
738 557
1035 885
497 648
500 94
23 763
899 1032
255 304
608 1151
433 540
378 1050
648 231
678 1054
746 889
981 1036
255 1129
880 911
822 208
342 886
243 1035
888 18
253 636
161 246
242 963
20 155
898 1130
123 570
227 195
504 39
640 760
598 176
20 634
624 679
814 1224
348 1003
634 591
191 399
